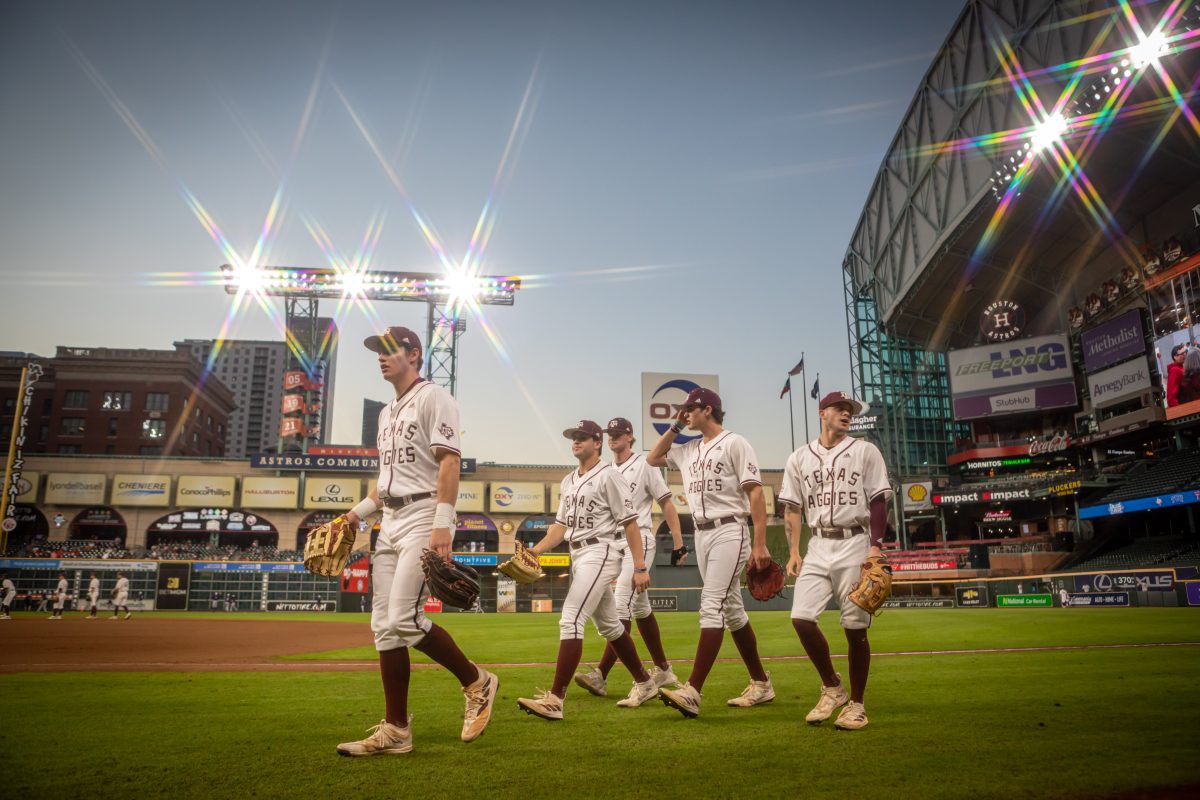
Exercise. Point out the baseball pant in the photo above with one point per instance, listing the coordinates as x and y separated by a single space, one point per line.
121 600
593 568
631 604
93 602
59 602
722 554
398 606
831 567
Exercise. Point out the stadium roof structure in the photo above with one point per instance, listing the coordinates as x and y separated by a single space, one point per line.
938 238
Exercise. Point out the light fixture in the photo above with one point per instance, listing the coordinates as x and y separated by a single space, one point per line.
1149 49
1047 132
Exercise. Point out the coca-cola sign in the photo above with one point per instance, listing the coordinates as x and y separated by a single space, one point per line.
1060 442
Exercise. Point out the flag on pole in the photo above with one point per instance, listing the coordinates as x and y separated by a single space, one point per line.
816 390
787 387
796 370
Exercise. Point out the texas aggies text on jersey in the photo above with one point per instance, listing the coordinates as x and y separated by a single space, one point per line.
646 486
411 428
835 486
594 503
714 474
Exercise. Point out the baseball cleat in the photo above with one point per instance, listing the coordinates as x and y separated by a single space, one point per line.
640 693
5 616
129 615
852 718
480 697
593 681
832 698
546 705
663 677
386 739
685 699
757 693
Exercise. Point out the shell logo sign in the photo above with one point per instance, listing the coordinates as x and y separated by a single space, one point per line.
918 496
917 493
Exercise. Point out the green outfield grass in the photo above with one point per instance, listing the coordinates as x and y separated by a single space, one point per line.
1078 723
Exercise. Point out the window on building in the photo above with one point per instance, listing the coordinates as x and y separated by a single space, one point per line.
196 440
76 398
154 428
110 449
72 426
43 433
157 401
209 423
146 450
10 405
69 449
47 407
112 426
117 401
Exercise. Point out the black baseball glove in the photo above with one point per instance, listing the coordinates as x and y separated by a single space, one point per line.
453 583
678 554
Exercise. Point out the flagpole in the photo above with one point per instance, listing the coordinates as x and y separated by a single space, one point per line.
805 388
791 415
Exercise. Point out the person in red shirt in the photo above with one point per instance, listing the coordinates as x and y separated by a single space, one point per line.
1175 374
1189 385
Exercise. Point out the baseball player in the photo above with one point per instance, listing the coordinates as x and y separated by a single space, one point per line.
723 487
93 594
840 485
596 515
60 596
646 486
10 594
417 488
120 594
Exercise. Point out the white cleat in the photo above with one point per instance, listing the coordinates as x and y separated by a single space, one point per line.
480 697
386 739
685 699
757 693
640 693
593 681
5 616
852 718
546 705
663 677
832 698
129 615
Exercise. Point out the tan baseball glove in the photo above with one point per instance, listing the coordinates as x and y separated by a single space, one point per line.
874 585
328 547
523 567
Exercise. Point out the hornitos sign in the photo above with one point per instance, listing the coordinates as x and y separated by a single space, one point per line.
204 491
144 491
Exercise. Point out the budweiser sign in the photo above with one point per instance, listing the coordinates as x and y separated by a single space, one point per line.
1059 443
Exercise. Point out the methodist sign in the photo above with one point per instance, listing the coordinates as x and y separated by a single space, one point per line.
1011 378
1113 342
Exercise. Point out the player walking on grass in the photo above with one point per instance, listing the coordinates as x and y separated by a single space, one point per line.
60 596
596 516
646 486
840 485
723 487
93 594
10 593
417 488
121 597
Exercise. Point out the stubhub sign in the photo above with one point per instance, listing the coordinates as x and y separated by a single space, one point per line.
1011 378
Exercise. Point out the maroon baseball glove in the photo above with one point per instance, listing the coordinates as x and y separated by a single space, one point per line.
765 582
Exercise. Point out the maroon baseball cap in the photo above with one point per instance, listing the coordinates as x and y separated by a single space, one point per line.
701 397
833 398
584 426
391 340
619 425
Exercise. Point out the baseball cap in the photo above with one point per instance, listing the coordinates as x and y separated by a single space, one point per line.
619 425
391 340
833 398
586 427
703 397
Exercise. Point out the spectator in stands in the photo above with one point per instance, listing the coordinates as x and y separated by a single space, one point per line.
1189 385
1175 374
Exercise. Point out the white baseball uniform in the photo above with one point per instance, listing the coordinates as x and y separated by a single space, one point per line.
594 507
93 594
646 487
10 594
122 592
834 489
412 429
60 594
715 475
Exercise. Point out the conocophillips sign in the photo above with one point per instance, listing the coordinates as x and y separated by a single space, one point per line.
202 491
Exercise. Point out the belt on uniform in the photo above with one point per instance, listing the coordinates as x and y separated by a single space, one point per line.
408 500
716 523
578 543
838 533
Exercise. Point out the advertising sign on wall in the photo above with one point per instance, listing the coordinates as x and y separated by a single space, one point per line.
1116 384
919 602
1150 581
971 596
470 496
173 581
1011 378
917 496
1113 342
663 394
1141 504
329 492
199 491
1098 599
270 492
75 489
506 595
26 486
1024 600
153 491
517 497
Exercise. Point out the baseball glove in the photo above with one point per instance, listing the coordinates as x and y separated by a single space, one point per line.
328 547
523 567
678 553
874 585
453 583
765 582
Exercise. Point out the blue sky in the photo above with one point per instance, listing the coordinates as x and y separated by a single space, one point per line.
684 180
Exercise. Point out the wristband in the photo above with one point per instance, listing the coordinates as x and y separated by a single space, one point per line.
365 508
641 569
443 516
676 429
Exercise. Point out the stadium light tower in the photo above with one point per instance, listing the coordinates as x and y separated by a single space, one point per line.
445 295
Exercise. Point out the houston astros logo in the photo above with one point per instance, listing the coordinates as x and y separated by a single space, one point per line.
662 414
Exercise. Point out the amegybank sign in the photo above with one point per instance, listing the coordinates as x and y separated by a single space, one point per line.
1119 383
